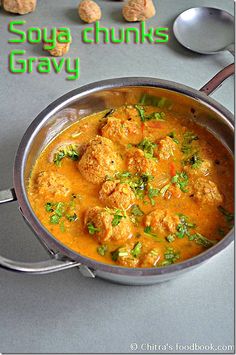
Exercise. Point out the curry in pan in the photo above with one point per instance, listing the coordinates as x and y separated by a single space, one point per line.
137 186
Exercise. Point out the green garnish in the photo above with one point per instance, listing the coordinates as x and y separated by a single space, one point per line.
119 252
148 148
54 219
184 226
189 137
117 216
171 256
201 240
149 233
49 207
72 218
102 250
69 151
158 116
194 161
123 176
60 209
136 251
138 183
141 112
136 211
229 217
181 180
92 229
172 135
170 238
152 192
151 100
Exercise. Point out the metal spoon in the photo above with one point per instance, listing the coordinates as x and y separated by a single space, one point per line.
205 30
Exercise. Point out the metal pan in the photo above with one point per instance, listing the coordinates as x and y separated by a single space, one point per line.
87 100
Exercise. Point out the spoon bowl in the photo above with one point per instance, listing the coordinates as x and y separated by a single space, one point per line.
205 30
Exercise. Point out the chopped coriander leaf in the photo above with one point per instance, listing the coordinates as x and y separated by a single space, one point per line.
136 251
181 180
123 176
139 184
141 112
116 220
129 146
201 240
171 256
229 217
119 252
54 219
170 238
152 192
158 116
60 209
102 249
149 233
92 229
148 148
117 216
183 227
151 100
72 218
189 137
69 151
172 135
49 207
136 211
194 161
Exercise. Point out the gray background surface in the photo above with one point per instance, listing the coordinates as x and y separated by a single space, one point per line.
66 312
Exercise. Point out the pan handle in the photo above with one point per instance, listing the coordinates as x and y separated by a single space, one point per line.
43 267
218 79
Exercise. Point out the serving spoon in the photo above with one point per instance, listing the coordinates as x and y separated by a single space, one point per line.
205 30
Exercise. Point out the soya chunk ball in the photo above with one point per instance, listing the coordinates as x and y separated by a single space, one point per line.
126 259
151 258
19 6
138 10
53 183
206 191
204 169
138 163
115 194
89 11
60 48
162 221
99 160
99 222
165 149
123 126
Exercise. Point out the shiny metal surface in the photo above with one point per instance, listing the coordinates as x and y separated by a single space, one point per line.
205 30
7 196
78 104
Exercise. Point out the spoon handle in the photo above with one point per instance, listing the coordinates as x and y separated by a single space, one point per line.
218 79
